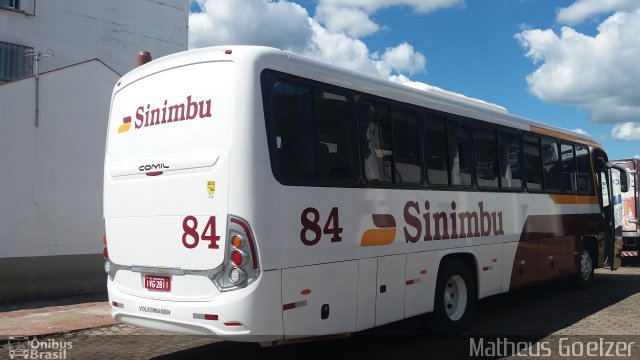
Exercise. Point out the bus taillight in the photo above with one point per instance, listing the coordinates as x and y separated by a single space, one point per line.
105 252
251 245
242 266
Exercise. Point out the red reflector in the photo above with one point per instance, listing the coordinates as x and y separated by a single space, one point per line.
105 253
409 282
485 268
288 306
228 52
494 260
210 317
233 323
117 304
305 292
154 173
236 257
422 272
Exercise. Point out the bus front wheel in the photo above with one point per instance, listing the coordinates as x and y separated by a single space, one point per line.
584 277
454 298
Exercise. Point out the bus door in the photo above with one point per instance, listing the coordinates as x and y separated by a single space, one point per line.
619 184
609 188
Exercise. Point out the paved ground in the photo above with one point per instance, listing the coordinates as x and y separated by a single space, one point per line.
54 318
609 311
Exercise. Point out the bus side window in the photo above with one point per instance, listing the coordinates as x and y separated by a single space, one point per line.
293 130
485 146
460 152
510 168
335 136
532 162
406 144
435 149
568 168
583 170
375 135
550 165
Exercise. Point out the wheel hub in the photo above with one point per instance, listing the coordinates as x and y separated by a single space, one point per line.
455 297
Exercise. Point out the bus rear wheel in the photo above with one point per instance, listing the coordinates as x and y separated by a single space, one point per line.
454 298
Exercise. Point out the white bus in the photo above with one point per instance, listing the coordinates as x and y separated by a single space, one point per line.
257 195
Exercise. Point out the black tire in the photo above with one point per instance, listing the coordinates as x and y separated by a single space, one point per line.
455 298
585 275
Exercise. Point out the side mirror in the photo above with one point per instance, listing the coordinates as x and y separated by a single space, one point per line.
624 182
624 176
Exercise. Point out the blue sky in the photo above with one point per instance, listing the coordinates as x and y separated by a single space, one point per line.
570 63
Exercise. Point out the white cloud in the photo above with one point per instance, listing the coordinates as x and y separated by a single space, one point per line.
581 10
286 25
279 24
353 16
599 73
626 131
580 131
636 157
402 58
354 21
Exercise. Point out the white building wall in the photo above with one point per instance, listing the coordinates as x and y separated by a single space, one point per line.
52 175
17 154
51 221
110 30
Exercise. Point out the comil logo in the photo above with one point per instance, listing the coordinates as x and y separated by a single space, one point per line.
145 116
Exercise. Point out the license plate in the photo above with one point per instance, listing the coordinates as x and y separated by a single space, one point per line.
157 283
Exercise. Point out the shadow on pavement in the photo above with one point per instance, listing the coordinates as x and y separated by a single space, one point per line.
532 314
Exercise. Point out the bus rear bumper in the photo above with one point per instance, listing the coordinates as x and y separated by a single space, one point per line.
252 314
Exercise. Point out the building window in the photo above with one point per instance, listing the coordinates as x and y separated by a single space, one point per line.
14 64
13 4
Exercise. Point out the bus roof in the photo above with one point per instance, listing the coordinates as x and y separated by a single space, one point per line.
260 57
